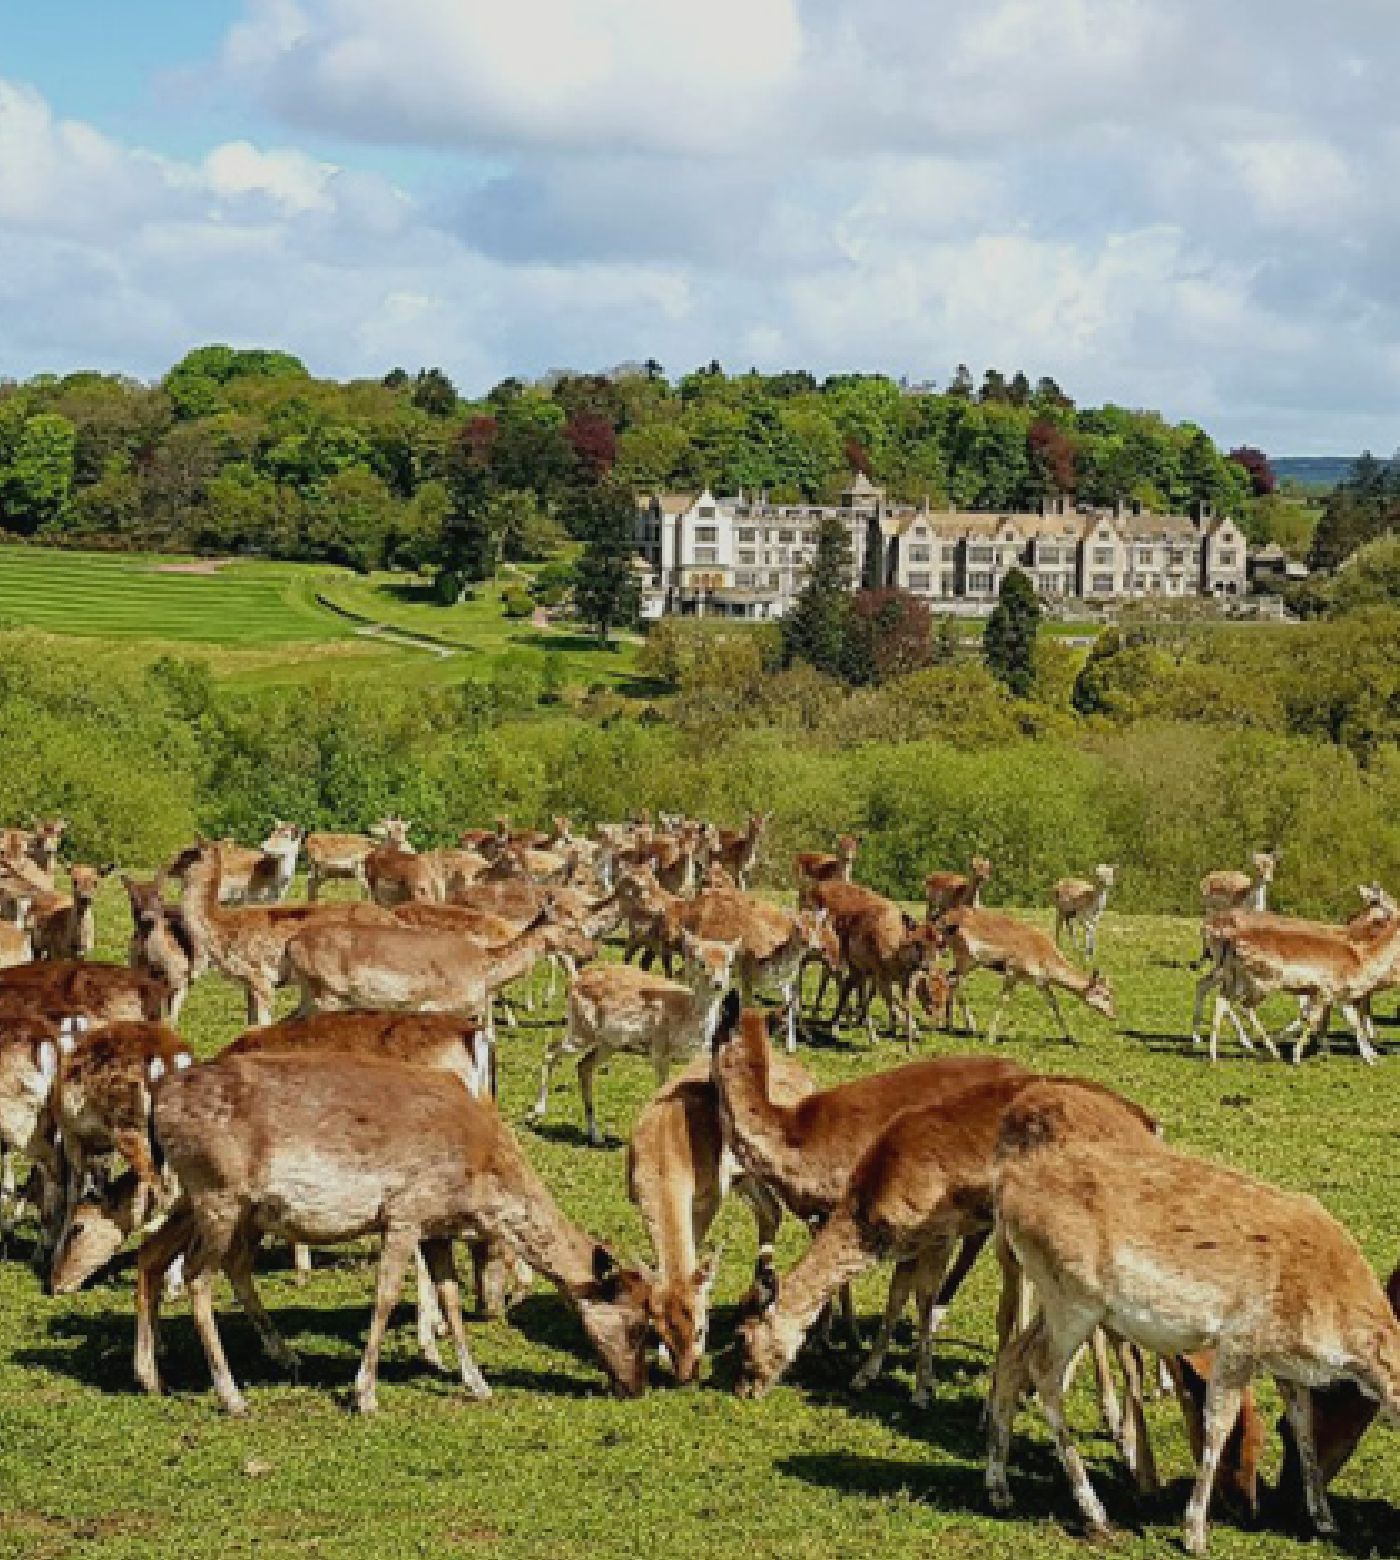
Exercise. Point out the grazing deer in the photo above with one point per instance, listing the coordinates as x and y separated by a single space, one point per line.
921 1187
1175 1254
249 944
1325 966
946 891
1020 954
812 867
736 850
617 1008
329 1149
162 943
678 1175
1080 903
102 1105
63 926
805 1152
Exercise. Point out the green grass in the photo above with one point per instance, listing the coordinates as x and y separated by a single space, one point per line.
262 624
552 1466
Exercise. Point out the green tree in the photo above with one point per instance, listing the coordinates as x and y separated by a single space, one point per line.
36 486
1009 644
606 592
815 630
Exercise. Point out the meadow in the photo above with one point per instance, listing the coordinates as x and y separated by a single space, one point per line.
258 623
552 1466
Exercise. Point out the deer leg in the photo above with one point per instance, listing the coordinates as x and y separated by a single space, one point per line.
1204 986
430 1318
399 1245
929 1282
1359 1026
1252 1014
238 1265
1051 1363
1136 1444
767 1212
200 1269
158 1251
1054 1001
1297 1404
1008 985
1223 1394
901 1287
587 1067
437 1254
553 1051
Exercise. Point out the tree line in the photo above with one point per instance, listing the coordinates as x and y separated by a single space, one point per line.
245 450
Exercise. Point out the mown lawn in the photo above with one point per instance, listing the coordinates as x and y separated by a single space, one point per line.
552 1466
258 623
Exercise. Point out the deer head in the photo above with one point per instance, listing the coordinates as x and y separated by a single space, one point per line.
679 1317
616 1311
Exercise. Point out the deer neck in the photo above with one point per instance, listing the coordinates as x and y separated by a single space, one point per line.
517 957
549 1241
204 915
755 1127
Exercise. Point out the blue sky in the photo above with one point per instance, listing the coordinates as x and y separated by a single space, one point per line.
1166 202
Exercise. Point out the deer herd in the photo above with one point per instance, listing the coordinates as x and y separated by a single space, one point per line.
370 1111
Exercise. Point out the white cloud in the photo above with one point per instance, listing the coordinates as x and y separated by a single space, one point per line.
1161 201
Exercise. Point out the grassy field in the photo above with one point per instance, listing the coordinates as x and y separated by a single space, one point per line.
553 1467
260 623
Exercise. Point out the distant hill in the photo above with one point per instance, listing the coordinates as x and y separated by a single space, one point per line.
1312 471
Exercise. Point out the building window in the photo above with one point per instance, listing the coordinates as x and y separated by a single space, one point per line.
1048 584
1103 555
1176 557
785 537
809 538
748 534
949 586
920 581
706 555
980 554
747 557
1102 585
707 511
743 581
1227 560
706 533
950 552
920 554
979 584
1144 555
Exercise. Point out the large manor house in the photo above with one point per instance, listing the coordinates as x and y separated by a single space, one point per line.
745 557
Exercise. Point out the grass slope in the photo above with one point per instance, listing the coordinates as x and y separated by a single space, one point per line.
552 1467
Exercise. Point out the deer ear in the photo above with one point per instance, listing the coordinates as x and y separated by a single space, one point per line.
765 1283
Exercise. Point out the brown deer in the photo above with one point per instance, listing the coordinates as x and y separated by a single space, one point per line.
736 850
162 943
1020 954
1240 890
102 1104
329 1149
812 867
100 993
29 1054
946 891
249 944
615 1008
1079 906
250 875
1324 966
63 926
678 1174
347 965
43 844
883 952
16 945
332 858
1175 1254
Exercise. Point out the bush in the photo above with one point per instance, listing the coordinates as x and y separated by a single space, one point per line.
516 602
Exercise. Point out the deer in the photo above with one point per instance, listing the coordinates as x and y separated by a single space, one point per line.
102 1104
44 841
162 943
679 1172
256 875
1326 968
81 988
883 952
330 1149
948 891
1226 890
341 857
395 967
249 944
21 883
1175 1253
736 850
100 1225
1020 954
615 1008
921 1187
811 867
805 1152
29 1052
16 945
1079 905
843 904
63 926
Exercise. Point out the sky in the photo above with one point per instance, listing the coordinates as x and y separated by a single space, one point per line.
1181 204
